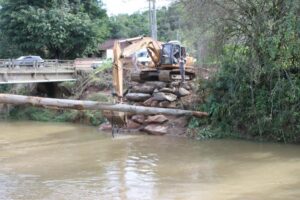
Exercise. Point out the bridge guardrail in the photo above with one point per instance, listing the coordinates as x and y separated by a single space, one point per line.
9 63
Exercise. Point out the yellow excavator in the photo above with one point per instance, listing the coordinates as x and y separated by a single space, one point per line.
166 61
166 58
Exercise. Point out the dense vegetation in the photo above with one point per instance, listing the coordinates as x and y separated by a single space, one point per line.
256 91
52 29
255 44
169 21
67 29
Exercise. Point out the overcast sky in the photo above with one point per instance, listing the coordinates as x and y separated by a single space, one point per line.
115 7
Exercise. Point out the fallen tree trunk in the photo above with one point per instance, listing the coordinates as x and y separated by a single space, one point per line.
92 105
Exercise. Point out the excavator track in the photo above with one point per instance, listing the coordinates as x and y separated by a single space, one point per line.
160 75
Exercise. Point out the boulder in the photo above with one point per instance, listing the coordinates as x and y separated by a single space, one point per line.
148 89
186 85
137 96
156 91
105 127
132 125
177 122
167 104
177 131
167 90
186 101
157 119
183 92
172 105
164 104
175 84
148 102
156 129
156 84
138 118
161 96
154 103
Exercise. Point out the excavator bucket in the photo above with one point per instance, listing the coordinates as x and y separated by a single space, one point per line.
114 117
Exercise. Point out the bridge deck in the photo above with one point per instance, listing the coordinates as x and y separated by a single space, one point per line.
13 75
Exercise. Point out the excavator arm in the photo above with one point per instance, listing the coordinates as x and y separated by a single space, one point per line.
154 51
118 71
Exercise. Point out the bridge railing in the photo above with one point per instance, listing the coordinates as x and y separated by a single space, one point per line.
59 63
3 62
10 63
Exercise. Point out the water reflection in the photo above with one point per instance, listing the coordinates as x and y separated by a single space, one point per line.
132 177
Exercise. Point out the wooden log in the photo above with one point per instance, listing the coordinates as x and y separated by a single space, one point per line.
93 105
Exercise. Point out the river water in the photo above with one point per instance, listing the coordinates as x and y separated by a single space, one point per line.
66 161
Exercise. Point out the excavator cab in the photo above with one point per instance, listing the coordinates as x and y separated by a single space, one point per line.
166 63
171 53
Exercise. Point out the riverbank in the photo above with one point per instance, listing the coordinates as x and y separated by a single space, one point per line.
94 85
97 86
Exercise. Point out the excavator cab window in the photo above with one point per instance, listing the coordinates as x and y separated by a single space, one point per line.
183 52
171 53
166 54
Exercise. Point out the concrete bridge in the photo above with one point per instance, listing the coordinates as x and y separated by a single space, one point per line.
52 71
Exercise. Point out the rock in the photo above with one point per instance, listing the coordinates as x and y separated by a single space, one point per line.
167 104
164 104
148 102
161 96
105 127
157 119
132 125
172 105
177 122
154 103
156 129
156 84
156 91
175 84
183 92
186 101
177 131
137 96
138 118
186 85
143 89
167 90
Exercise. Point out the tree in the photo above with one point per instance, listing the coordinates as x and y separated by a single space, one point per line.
54 29
257 88
169 24
127 26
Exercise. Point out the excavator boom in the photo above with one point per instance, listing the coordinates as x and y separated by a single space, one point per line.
118 71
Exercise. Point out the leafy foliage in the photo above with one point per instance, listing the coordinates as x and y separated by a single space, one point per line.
46 115
56 28
257 89
127 26
169 22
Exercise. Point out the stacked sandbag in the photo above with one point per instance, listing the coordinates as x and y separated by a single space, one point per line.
163 95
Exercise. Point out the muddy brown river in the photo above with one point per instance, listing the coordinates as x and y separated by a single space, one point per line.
68 162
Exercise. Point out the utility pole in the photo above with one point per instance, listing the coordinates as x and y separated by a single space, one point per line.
153 19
